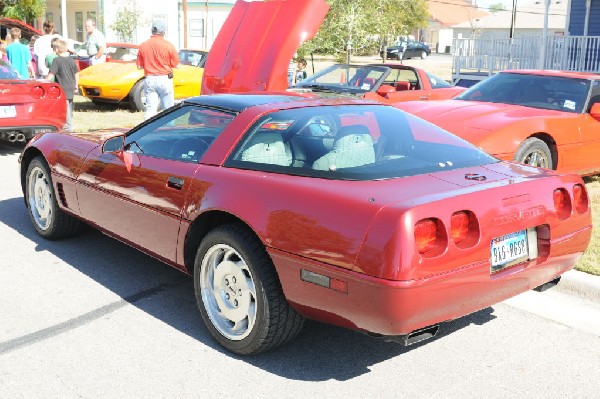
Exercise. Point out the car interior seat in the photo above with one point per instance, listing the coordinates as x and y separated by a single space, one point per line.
269 148
402 86
353 146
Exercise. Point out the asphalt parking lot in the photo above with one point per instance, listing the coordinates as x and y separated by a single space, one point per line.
90 317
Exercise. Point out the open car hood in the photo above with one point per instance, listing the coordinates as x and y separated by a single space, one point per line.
26 30
255 45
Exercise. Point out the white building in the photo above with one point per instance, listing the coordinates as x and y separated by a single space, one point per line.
529 21
202 20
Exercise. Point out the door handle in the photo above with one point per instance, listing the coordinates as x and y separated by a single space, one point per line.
175 182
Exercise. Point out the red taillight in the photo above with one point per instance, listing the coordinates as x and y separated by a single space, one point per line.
54 92
37 92
459 226
425 235
580 198
562 203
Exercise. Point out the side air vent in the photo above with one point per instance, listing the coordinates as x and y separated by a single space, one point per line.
61 195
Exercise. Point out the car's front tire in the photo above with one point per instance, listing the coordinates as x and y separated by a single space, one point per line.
423 54
535 152
239 294
48 219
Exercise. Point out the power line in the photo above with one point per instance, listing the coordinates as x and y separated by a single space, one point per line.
519 11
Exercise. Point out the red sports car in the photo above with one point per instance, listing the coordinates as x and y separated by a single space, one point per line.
283 208
388 83
29 107
549 119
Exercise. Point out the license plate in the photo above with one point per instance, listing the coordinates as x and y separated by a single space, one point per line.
8 111
512 248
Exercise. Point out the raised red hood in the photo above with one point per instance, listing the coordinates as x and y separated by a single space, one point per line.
255 45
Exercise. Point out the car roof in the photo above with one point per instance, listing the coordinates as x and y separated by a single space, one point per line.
241 101
549 72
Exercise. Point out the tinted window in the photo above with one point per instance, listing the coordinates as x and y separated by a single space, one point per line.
183 134
359 142
437 82
536 91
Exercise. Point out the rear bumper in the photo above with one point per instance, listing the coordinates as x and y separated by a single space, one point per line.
400 307
28 131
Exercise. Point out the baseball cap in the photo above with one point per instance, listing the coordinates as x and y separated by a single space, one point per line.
158 27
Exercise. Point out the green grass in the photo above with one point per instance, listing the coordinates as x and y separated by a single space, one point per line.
88 116
590 262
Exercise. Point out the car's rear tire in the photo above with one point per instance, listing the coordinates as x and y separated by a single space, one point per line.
48 219
423 54
239 294
535 152
137 99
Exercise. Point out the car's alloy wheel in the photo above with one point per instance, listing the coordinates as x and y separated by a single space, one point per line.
423 55
40 198
47 217
535 152
228 292
239 294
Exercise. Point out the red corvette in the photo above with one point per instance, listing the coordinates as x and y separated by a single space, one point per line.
549 119
29 107
283 208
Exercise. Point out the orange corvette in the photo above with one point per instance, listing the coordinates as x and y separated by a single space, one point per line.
549 119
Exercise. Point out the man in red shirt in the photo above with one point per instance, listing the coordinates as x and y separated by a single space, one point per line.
157 57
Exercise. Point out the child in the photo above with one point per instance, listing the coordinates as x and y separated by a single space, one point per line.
19 55
64 69
51 56
300 72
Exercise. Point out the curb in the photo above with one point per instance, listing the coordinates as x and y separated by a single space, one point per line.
583 285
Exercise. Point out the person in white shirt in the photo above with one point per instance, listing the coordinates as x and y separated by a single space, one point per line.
42 47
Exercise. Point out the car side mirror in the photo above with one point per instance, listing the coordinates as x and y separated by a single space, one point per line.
595 111
114 144
385 89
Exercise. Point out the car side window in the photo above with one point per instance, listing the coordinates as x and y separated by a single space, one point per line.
184 134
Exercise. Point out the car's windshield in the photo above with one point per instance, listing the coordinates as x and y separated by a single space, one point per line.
352 142
536 91
343 78
122 53
7 71
194 58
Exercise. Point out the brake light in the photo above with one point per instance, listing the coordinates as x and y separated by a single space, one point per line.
562 203
580 198
37 92
459 226
426 233
54 92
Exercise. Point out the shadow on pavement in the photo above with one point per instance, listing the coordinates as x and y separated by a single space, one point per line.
321 352
7 148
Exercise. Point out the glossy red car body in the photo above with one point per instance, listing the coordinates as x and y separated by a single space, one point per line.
545 118
347 249
29 107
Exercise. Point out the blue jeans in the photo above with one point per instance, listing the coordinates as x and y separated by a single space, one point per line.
158 89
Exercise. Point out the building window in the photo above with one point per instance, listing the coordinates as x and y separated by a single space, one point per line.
79 26
197 27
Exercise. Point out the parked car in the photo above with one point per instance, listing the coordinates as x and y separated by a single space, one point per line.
119 80
549 119
354 213
406 50
29 107
195 58
389 83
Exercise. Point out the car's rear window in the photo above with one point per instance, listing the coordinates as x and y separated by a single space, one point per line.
535 91
354 142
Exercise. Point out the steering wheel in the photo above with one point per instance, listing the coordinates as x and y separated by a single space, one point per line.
321 126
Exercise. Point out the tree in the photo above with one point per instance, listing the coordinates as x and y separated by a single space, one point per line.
24 10
128 17
496 7
365 25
